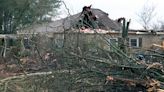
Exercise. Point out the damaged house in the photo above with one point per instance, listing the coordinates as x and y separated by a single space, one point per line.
75 22
78 23
84 23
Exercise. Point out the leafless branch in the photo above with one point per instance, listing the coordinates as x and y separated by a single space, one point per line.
146 15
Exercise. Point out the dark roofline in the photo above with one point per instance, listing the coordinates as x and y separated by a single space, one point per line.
140 30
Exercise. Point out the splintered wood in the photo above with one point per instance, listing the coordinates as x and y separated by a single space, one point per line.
151 85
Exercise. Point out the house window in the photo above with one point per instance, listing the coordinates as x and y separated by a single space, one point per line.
11 42
135 42
59 43
113 41
26 43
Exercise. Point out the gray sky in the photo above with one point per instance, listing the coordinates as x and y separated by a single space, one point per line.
116 8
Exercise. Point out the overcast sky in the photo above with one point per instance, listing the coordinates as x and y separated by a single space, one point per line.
117 8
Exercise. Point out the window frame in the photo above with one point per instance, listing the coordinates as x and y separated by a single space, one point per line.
137 42
114 39
26 43
59 42
114 44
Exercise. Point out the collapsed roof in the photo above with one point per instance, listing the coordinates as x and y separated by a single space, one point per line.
69 22
104 21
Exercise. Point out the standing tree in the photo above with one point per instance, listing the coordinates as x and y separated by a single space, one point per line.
161 25
20 13
146 15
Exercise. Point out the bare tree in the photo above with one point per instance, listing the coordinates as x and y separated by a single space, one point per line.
161 25
146 15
